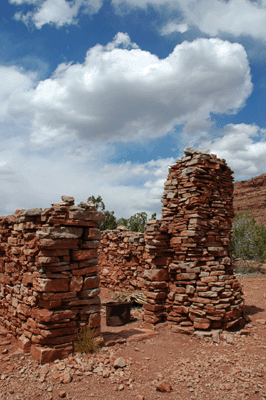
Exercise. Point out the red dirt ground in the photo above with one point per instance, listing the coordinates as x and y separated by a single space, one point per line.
191 368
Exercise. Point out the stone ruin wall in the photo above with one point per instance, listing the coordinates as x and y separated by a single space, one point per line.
49 282
122 260
186 264
49 279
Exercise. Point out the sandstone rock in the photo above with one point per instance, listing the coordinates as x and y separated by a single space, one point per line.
250 195
76 284
67 378
189 151
68 199
164 387
46 355
156 274
51 285
24 344
119 363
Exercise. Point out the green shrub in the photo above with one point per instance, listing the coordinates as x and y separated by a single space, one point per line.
87 341
249 239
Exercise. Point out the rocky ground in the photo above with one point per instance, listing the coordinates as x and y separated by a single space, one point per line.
141 364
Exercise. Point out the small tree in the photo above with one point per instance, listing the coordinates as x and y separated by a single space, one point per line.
110 219
137 222
109 222
153 216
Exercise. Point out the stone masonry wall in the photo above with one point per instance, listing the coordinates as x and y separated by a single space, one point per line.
186 261
121 259
197 275
49 281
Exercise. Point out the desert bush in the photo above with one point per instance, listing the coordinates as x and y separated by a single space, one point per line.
249 239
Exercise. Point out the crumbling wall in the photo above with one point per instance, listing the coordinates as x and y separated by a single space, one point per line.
202 292
121 259
185 257
49 282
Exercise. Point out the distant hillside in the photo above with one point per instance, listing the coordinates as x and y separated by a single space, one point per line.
251 195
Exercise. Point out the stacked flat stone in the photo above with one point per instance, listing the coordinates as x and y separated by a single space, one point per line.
156 272
49 276
121 263
197 208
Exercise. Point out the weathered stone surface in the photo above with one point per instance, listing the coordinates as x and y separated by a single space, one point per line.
59 232
68 199
50 285
46 355
164 387
91 282
79 255
156 275
42 315
58 243
42 281
76 284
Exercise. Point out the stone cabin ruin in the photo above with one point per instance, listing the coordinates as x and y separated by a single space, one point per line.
183 261
50 270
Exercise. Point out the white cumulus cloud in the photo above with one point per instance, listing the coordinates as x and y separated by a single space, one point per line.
57 12
235 17
13 82
122 93
243 147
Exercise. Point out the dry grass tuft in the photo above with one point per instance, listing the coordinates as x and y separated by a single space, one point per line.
87 341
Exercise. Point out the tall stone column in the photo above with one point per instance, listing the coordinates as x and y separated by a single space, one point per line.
202 292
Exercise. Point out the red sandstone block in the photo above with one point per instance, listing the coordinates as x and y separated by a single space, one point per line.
46 355
202 323
59 232
57 296
23 309
93 234
153 307
91 244
71 222
59 243
24 344
88 263
39 339
54 252
156 275
91 282
47 260
79 255
155 295
49 304
95 320
50 285
180 309
42 315
76 283
27 278
207 279
185 276
85 271
52 333
87 215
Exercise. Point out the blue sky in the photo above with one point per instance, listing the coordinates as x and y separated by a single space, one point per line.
99 97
